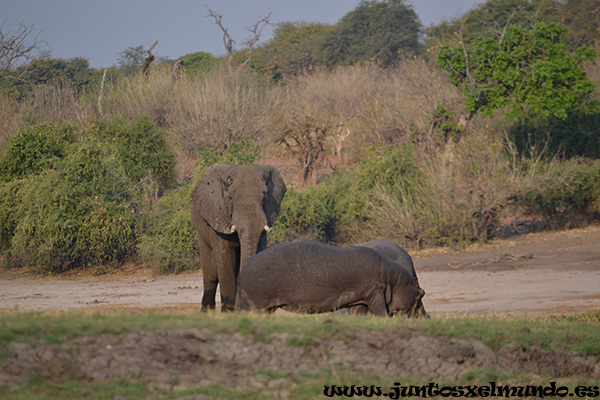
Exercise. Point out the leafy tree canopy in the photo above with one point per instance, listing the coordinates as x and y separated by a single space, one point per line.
492 16
131 58
196 63
583 19
524 70
381 31
292 50
74 72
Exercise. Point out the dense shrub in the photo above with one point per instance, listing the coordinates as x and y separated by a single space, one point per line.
574 189
199 62
9 203
307 214
37 148
169 242
78 203
142 148
243 151
75 73
76 215
340 209
416 198
576 136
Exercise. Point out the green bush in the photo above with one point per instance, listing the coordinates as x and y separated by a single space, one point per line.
142 148
37 148
306 214
394 169
341 209
576 136
199 62
77 201
575 188
169 242
392 194
75 216
9 204
244 151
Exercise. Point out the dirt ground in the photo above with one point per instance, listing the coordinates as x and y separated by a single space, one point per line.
196 357
535 274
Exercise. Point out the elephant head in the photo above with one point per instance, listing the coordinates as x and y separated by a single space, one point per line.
243 199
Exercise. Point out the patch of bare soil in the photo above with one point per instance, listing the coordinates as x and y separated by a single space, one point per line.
551 273
176 360
535 274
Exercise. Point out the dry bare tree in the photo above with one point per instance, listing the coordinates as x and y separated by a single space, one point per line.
148 61
18 48
307 145
256 31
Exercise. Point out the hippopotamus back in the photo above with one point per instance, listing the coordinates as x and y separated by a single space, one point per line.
394 252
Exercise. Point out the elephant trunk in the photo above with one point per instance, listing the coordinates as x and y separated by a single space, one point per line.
249 242
252 238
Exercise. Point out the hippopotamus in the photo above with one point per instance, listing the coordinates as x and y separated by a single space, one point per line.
312 277
396 253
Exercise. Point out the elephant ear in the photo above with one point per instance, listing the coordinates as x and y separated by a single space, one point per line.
276 190
212 197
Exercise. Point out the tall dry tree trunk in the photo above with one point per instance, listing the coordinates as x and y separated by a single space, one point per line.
101 94
177 68
148 61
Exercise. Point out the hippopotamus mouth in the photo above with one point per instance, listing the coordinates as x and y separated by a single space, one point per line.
417 310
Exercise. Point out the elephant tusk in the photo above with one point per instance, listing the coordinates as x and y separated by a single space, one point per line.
232 228
268 228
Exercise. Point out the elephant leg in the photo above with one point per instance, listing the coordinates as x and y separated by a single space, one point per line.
227 270
210 291
209 276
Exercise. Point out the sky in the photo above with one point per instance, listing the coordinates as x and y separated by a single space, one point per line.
100 30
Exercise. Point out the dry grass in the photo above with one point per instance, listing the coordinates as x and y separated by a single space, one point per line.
469 169
357 107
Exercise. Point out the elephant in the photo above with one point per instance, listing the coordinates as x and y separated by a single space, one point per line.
233 208
396 253
314 277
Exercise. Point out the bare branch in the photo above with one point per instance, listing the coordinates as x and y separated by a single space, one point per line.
503 33
228 41
466 54
256 31
19 48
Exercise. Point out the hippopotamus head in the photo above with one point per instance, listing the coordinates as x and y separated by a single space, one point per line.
405 298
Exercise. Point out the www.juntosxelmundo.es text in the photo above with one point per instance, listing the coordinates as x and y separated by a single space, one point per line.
433 389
